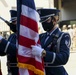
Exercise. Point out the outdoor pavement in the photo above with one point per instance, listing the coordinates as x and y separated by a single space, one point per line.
71 65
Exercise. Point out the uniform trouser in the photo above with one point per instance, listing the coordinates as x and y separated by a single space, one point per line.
47 73
55 71
13 70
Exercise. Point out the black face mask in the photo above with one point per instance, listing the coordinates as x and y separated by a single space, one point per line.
13 27
47 26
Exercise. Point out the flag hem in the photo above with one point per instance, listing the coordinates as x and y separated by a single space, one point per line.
30 67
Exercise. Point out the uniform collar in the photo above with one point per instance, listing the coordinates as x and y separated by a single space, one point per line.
50 33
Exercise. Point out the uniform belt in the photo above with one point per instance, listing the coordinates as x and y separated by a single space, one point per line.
50 65
12 64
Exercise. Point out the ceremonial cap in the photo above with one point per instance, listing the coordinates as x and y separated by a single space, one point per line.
46 13
13 14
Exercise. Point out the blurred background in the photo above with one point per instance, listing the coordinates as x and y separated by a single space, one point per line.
67 23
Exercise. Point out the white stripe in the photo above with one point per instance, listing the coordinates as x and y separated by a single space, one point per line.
26 32
29 12
26 52
6 47
23 71
54 56
38 59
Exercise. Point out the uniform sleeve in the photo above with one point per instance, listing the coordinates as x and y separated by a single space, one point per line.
62 56
7 48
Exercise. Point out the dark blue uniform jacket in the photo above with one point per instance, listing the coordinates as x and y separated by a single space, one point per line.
54 60
11 52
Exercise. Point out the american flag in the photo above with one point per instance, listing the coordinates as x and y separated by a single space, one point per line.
27 36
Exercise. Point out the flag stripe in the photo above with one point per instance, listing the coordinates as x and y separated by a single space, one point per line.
24 51
26 42
25 21
29 33
23 71
27 53
29 3
32 13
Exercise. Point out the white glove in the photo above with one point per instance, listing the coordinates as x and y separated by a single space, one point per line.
36 50
1 37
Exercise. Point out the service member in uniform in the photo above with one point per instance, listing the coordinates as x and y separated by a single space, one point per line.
9 47
12 60
54 57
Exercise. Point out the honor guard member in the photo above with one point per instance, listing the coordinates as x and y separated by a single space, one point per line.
54 51
12 60
9 47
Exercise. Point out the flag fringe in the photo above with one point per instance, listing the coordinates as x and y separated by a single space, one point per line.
31 67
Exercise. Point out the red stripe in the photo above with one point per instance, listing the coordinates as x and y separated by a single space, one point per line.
38 42
31 72
32 61
28 22
26 42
